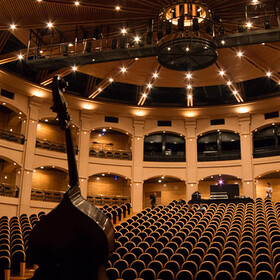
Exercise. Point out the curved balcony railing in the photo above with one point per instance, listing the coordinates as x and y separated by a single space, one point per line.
218 156
9 190
167 156
114 154
108 200
46 195
266 152
53 146
12 136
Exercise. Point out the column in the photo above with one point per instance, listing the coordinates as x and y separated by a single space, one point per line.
83 156
28 155
246 157
191 158
137 165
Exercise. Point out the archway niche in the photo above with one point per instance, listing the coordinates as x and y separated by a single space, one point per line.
205 183
273 178
49 183
166 189
110 143
9 178
51 137
11 127
108 188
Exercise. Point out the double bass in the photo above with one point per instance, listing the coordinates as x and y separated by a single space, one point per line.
75 240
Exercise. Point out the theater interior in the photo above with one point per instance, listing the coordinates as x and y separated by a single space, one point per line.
173 112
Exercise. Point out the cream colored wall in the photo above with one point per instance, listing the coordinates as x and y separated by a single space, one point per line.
53 133
50 180
204 187
108 186
261 185
119 141
165 192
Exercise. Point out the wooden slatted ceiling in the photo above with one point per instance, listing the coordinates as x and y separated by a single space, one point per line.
237 67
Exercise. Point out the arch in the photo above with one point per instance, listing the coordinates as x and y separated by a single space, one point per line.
111 173
156 131
15 156
165 175
14 107
113 128
12 161
41 119
52 166
205 132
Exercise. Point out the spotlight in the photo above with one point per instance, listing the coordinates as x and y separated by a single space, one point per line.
74 68
268 74
77 3
155 75
221 182
123 31
189 76
248 24
222 72
123 69
50 24
111 80
189 87
149 86
12 26
223 42
117 8
137 39
20 56
235 92
239 54
144 95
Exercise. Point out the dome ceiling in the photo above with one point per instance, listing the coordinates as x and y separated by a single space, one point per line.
72 20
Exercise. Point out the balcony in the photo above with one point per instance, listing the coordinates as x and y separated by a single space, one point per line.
46 195
167 156
266 152
53 146
9 190
218 156
111 154
11 136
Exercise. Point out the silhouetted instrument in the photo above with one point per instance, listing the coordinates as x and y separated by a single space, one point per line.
73 241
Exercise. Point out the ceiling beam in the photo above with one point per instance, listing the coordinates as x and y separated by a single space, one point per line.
149 86
229 81
261 65
62 72
109 79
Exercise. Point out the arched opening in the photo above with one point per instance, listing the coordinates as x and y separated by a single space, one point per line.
266 141
9 178
11 125
108 188
51 137
273 178
218 145
166 189
110 143
49 184
163 146
204 185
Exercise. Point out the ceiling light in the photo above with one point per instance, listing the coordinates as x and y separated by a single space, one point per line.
144 95
39 0
155 75
268 74
70 45
239 54
20 56
118 8
100 89
77 3
103 174
254 1
222 72
74 68
50 24
20 113
111 80
223 42
229 83
12 26
159 181
104 129
189 96
189 87
168 48
136 58
137 39
235 92
46 120
149 86
123 31
123 69
189 76
187 49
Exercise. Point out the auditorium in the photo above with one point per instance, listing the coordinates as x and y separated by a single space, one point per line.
139 140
